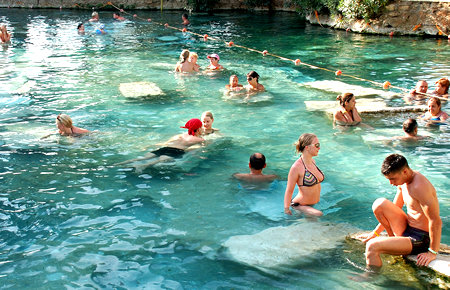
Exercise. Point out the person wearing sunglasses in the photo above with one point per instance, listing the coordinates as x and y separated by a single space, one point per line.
305 173
253 84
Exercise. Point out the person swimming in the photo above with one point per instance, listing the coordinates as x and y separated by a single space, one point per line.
214 62
193 57
305 173
253 85
172 149
347 114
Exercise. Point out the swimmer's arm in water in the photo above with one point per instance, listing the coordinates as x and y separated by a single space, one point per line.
48 135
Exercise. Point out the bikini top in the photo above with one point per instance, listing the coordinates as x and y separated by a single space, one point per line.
310 179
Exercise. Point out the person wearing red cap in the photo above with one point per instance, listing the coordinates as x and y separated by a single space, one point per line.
172 149
214 62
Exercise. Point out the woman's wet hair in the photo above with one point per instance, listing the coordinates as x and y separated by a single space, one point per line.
437 100
207 114
304 140
393 163
185 16
65 120
79 25
345 98
254 75
184 56
410 125
444 82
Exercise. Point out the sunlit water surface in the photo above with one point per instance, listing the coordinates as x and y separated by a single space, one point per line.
71 219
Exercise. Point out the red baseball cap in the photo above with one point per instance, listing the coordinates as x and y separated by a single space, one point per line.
192 125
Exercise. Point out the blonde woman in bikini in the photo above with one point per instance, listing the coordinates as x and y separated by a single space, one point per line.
184 65
66 127
304 173
347 114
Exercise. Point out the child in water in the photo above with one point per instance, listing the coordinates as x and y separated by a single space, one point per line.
234 84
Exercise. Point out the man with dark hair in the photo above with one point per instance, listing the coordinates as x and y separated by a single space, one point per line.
418 231
257 164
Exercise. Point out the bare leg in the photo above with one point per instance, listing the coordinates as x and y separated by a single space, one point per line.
394 220
146 156
163 158
390 216
308 210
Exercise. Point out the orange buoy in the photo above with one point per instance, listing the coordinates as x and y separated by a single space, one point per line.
264 52
166 24
297 62
109 3
121 10
230 43
205 37
184 29
338 73
134 15
386 85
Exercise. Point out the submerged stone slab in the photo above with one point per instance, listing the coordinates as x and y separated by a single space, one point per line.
140 89
278 246
339 87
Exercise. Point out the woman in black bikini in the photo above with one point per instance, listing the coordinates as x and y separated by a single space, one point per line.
347 114
306 175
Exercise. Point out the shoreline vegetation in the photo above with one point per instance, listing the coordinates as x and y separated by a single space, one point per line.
385 17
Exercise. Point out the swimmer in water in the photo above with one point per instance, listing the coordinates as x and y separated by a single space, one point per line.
193 57
5 37
347 114
208 120
234 84
418 94
253 85
442 88
304 173
172 149
185 19
434 115
66 127
81 28
184 65
95 17
410 128
256 164
214 62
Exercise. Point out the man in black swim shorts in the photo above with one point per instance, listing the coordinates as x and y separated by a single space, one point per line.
418 231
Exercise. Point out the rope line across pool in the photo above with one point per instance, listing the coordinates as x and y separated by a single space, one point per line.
385 85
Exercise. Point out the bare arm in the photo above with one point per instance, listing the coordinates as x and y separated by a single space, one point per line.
428 202
292 180
356 117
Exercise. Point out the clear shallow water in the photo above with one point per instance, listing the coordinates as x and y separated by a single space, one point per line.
71 219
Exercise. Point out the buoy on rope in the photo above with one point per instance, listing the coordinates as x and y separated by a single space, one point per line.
230 43
205 37
184 30
386 85
109 3
297 61
122 11
264 52
166 24
338 73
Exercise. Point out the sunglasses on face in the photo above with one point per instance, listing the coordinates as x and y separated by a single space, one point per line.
249 78
317 145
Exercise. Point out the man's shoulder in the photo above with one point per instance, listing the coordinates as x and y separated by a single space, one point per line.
420 186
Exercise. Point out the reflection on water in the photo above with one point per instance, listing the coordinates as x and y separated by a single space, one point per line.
69 218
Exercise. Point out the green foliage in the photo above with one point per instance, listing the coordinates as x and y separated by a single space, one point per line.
361 9
352 9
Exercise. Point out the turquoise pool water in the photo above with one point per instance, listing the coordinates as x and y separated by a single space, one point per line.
70 219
